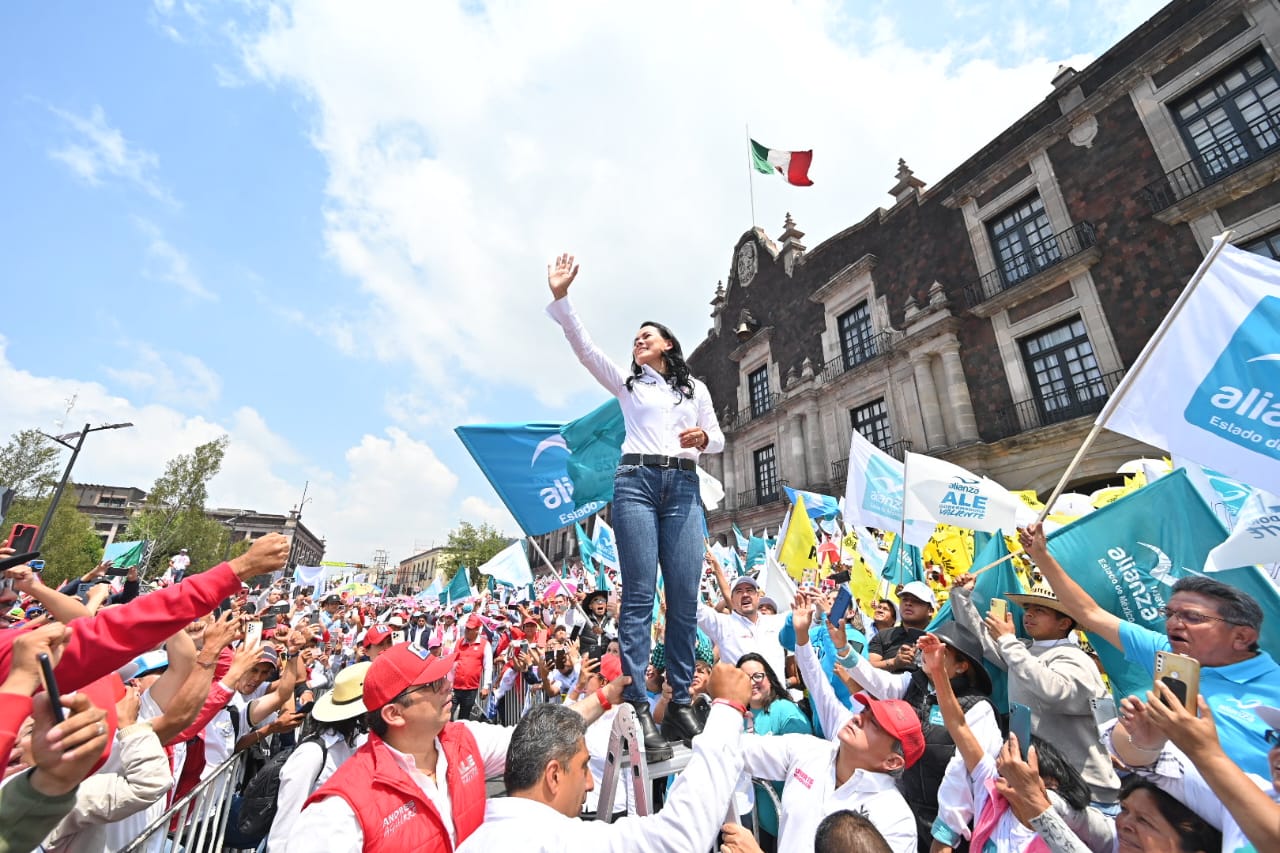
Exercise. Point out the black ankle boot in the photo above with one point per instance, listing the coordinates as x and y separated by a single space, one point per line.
656 747
680 723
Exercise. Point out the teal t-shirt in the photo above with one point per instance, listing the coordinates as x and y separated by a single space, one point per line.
1232 693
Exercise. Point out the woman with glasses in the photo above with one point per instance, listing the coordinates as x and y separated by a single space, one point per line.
772 713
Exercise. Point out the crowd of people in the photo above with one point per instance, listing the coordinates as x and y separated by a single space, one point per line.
368 723
378 723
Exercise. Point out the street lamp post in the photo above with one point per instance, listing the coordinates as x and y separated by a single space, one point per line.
66 474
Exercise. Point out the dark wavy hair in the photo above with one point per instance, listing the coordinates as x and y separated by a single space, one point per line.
1070 785
678 375
775 686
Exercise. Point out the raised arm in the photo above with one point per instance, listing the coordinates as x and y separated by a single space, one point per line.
952 714
831 711
559 276
1078 603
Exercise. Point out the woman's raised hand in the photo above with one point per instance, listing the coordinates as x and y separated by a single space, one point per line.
560 275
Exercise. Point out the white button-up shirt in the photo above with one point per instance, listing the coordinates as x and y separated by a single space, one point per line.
695 807
736 635
654 412
332 820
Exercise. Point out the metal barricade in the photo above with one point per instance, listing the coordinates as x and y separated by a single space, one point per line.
199 818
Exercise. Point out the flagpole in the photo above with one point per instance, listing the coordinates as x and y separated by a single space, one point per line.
751 178
534 543
1143 357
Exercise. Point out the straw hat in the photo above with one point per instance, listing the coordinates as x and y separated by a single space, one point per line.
346 699
1042 594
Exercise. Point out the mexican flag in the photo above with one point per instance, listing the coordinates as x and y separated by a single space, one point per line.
792 165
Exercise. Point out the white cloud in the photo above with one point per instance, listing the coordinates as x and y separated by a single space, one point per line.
464 150
479 510
392 491
165 262
101 151
176 378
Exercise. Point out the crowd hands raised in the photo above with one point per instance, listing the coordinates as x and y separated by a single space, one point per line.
866 732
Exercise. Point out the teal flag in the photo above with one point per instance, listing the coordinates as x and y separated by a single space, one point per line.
585 545
460 586
1129 554
594 442
740 540
996 582
903 565
125 555
756 547
602 579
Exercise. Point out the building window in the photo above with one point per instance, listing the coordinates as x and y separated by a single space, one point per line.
1064 373
857 342
106 500
872 422
1267 245
758 388
766 474
1023 241
1234 118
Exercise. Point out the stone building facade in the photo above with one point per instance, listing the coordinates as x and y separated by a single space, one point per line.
986 319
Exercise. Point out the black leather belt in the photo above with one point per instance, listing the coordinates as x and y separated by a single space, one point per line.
656 461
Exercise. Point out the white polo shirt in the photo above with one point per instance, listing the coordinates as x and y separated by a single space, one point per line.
736 635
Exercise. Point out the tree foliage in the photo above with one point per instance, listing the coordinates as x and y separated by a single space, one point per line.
29 464
70 547
471 546
173 515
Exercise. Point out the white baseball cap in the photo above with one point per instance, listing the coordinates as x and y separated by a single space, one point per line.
920 590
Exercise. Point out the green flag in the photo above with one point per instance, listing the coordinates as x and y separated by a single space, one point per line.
594 442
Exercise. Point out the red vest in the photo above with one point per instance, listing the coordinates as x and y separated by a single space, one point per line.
394 814
469 664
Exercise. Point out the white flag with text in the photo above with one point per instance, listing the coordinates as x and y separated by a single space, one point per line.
939 492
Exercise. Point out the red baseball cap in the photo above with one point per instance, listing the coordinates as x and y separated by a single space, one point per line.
402 666
610 667
899 719
376 635
473 621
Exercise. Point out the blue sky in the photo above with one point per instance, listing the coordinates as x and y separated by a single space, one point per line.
323 230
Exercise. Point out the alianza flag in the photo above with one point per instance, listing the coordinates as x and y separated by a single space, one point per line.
509 566
594 442
939 492
606 545
527 465
1255 539
1209 385
818 506
874 494
1129 554
792 165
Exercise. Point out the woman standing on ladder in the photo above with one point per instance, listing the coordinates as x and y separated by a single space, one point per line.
657 511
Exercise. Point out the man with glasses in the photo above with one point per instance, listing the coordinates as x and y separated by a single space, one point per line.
418 783
1208 620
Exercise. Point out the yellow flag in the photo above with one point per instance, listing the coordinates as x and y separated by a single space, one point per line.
799 549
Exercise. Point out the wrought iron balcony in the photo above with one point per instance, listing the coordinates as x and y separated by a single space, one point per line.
873 347
1215 163
1044 255
759 497
758 409
840 468
1056 406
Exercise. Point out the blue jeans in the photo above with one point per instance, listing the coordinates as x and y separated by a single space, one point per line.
657 517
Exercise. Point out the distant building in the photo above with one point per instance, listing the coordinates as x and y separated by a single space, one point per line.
416 573
111 507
